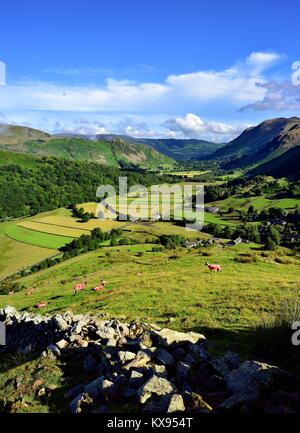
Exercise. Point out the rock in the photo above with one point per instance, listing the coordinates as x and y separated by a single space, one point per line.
215 399
129 392
196 404
82 343
164 357
53 349
75 337
126 356
141 359
136 379
167 337
176 404
106 333
182 371
79 401
152 407
61 323
220 366
189 359
111 342
62 344
9 311
90 365
160 370
179 353
42 392
252 377
200 352
100 386
232 360
146 339
237 400
155 385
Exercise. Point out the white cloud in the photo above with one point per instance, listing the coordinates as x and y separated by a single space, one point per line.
257 62
242 83
192 126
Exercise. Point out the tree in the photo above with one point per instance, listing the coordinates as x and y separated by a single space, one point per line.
270 244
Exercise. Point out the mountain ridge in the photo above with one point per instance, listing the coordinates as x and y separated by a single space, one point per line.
260 144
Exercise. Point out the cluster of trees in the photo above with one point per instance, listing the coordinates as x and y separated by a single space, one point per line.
81 214
270 237
58 183
171 242
247 232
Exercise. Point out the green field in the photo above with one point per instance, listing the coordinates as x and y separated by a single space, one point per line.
32 237
18 255
259 203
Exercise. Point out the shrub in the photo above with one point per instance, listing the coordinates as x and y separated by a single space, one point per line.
246 258
284 260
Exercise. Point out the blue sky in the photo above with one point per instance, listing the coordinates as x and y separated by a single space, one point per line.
149 68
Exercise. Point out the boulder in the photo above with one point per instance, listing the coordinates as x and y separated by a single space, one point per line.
78 402
164 357
166 337
61 323
155 385
237 400
126 356
196 403
220 366
253 377
182 371
141 359
176 404
62 344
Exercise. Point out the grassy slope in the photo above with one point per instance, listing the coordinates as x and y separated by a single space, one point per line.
83 150
26 161
259 203
183 288
17 255
33 237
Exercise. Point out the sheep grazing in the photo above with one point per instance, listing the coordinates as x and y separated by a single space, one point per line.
79 287
214 268
98 288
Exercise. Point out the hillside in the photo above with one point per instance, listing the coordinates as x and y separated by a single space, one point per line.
286 165
118 153
262 143
15 136
180 150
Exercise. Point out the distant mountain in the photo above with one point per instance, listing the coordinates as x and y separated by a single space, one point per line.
178 149
14 135
260 144
117 153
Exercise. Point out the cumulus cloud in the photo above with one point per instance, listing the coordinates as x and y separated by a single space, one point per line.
192 126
